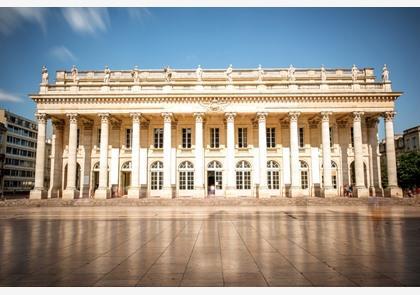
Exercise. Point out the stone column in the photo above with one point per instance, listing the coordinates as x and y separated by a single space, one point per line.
134 190
295 189
103 191
359 190
199 157
375 188
39 190
391 164
262 149
56 159
70 192
230 190
327 190
167 146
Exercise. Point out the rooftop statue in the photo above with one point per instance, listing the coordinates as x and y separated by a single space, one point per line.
168 73
323 74
385 74
135 73
354 72
199 73
44 75
228 73
107 76
260 73
74 74
291 73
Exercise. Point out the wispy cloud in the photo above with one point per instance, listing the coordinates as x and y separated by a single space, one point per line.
12 18
9 97
87 20
62 53
138 13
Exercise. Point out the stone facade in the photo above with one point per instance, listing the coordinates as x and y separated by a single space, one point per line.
256 133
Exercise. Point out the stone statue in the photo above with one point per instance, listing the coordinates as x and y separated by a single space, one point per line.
107 76
74 74
44 75
291 73
228 73
323 74
199 73
168 74
135 73
260 73
385 74
354 72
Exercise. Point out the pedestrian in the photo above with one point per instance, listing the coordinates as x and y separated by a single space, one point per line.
351 191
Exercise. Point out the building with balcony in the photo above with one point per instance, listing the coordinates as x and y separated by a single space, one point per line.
179 133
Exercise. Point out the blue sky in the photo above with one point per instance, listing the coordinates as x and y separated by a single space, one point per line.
211 37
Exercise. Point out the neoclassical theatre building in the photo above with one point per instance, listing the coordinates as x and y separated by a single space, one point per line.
178 133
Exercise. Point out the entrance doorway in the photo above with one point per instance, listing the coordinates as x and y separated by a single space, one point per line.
214 179
125 177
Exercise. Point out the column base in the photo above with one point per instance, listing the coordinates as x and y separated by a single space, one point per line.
133 192
199 192
393 191
264 193
102 193
166 193
329 192
230 192
37 194
296 192
379 192
53 193
361 192
70 194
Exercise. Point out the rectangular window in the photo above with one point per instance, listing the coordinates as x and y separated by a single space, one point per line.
301 138
242 137
334 181
99 137
78 137
186 180
156 180
218 179
186 138
158 138
128 138
273 179
214 138
352 136
304 179
331 137
271 137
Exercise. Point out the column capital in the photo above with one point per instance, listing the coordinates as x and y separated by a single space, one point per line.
73 117
41 117
199 117
104 117
230 117
357 116
326 116
136 117
262 116
389 116
167 117
294 116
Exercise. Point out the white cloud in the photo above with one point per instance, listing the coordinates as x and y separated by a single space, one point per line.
12 18
138 13
62 53
9 97
87 20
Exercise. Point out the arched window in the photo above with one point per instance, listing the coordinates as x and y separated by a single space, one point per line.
126 166
96 167
304 169
273 175
214 169
156 175
186 176
243 175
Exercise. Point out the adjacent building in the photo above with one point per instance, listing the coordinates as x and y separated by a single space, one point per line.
3 131
20 143
179 133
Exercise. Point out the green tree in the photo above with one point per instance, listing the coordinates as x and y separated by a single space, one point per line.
409 170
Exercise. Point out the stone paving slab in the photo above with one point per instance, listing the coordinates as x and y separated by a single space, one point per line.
281 201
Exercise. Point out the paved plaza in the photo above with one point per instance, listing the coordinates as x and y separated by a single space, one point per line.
210 246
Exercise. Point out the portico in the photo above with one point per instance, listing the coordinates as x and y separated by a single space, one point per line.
237 133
